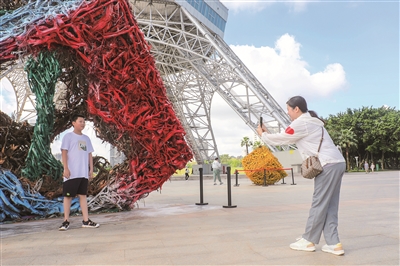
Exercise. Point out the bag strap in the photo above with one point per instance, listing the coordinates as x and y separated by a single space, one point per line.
322 137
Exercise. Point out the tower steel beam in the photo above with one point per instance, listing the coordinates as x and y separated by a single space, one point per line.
25 99
195 63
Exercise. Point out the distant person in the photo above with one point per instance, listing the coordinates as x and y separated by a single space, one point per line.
76 152
366 167
306 131
372 167
216 165
186 173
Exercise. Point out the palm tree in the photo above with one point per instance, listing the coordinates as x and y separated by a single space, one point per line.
246 142
347 139
257 144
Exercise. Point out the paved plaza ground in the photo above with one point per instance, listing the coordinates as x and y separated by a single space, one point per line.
168 228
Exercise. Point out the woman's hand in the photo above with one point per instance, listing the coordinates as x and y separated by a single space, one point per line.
261 130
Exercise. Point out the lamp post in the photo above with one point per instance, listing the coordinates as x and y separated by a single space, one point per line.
356 162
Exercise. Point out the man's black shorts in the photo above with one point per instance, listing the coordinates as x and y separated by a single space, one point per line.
75 186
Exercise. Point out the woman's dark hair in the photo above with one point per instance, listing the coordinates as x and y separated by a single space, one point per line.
302 104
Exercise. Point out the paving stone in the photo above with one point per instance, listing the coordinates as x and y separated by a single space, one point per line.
168 228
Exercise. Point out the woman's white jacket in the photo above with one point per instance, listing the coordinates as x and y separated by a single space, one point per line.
306 133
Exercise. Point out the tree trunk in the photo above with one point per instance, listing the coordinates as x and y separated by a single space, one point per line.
347 159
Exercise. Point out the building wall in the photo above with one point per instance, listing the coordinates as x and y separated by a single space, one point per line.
289 159
213 14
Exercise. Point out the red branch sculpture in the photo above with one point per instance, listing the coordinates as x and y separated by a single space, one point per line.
125 89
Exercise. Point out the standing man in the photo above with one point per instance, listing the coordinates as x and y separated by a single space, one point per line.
216 165
76 152
186 173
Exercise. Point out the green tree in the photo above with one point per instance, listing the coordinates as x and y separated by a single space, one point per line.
257 144
376 134
382 134
347 139
246 142
235 162
224 158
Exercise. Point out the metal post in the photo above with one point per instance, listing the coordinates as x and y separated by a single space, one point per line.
292 177
265 178
229 189
201 188
237 176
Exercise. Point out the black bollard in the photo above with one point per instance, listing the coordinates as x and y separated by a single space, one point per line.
265 178
201 187
283 181
237 176
292 177
229 189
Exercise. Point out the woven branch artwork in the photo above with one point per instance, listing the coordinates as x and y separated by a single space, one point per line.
122 91
42 76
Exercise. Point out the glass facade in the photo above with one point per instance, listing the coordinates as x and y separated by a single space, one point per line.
208 13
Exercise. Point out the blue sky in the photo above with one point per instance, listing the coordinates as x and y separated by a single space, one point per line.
361 36
337 54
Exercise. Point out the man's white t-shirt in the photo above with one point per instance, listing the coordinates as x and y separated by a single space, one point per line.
79 147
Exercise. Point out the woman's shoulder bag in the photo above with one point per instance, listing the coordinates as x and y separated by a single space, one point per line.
311 167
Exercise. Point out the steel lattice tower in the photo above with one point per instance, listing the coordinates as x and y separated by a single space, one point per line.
195 63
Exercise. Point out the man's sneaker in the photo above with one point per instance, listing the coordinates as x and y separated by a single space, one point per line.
89 224
64 226
215 184
221 183
334 249
303 245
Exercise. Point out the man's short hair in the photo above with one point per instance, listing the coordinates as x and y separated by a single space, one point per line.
74 117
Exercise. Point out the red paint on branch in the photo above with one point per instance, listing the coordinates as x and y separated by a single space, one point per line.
125 91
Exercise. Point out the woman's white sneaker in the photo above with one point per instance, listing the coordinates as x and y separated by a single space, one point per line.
303 245
334 249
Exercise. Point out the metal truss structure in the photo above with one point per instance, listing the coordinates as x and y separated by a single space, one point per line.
25 99
195 63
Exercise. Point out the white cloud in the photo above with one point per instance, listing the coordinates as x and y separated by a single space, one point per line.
283 72
280 69
7 97
255 6
248 5
297 6
100 148
228 128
